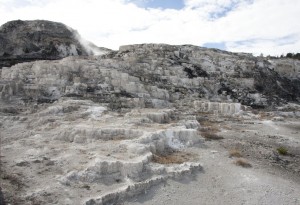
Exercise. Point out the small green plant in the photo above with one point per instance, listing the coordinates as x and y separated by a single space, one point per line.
282 150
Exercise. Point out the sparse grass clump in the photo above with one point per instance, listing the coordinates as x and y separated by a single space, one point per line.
209 130
235 153
209 126
282 150
171 158
85 186
264 116
211 136
242 163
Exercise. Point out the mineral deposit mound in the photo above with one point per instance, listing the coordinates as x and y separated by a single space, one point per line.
146 124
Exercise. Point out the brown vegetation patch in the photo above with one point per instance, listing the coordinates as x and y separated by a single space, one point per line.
227 127
265 116
211 136
118 138
243 163
172 158
235 153
208 126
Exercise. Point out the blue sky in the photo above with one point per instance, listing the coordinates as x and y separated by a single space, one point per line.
217 45
166 4
270 27
163 4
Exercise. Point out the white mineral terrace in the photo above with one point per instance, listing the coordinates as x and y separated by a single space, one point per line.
93 146
218 108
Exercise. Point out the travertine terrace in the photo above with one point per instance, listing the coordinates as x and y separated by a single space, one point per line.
150 120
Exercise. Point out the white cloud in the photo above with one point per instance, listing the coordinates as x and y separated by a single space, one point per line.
256 26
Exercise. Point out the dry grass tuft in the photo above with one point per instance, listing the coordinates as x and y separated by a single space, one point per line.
211 136
264 116
171 158
243 163
209 130
85 186
210 126
235 153
118 138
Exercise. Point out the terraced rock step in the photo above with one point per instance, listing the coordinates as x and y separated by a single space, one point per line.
120 155
155 75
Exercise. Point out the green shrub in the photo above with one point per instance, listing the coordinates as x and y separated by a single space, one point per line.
282 150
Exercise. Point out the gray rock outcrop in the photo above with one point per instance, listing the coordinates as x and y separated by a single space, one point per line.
145 75
24 41
157 75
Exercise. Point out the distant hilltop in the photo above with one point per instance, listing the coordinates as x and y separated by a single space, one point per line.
23 41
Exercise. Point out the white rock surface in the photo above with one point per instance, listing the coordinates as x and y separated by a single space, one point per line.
103 130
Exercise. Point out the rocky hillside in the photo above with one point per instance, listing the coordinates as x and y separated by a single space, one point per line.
149 123
23 41
158 75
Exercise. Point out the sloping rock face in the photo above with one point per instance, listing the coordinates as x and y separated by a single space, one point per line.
158 75
74 131
23 41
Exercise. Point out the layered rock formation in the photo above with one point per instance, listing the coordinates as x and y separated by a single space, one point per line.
23 41
101 129
157 75
115 156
